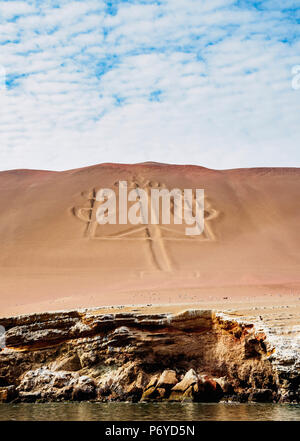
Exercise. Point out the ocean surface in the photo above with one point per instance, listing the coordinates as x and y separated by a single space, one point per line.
87 411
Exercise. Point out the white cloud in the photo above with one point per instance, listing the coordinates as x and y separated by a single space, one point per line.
198 82
10 9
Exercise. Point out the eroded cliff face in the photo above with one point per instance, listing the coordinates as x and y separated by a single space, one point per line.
196 355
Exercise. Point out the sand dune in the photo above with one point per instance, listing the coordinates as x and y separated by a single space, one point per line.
54 255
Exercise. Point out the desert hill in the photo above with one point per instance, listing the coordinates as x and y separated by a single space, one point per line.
54 255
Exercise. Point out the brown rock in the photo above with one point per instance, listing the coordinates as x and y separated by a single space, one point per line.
118 350
188 380
225 385
87 359
184 389
68 364
149 394
152 391
135 389
207 390
84 389
61 380
167 379
153 381
188 394
7 394
193 319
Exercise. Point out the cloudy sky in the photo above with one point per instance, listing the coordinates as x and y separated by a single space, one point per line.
205 82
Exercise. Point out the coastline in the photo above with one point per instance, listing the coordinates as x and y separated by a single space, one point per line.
176 353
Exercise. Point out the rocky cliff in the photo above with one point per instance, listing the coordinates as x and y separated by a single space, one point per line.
197 355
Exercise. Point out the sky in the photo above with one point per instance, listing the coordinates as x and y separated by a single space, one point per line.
206 82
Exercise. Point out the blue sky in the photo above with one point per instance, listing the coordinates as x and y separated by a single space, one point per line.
201 82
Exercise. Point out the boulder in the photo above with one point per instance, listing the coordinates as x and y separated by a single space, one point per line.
184 389
188 380
135 389
153 381
167 379
207 390
159 386
150 394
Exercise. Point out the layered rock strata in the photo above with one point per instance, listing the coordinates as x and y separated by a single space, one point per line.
195 355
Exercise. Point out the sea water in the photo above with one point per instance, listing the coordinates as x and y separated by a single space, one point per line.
91 411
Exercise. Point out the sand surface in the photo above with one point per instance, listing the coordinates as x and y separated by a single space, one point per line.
55 256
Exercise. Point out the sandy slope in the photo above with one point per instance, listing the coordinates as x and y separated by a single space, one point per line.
54 256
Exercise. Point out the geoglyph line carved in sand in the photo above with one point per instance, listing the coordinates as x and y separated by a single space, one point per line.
155 233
